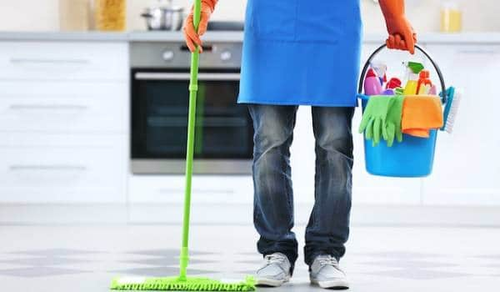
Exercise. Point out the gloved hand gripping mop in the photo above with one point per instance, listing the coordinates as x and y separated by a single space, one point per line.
183 282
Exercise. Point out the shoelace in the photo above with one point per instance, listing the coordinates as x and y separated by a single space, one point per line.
328 260
275 259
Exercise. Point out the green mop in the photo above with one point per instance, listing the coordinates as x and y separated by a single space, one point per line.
183 282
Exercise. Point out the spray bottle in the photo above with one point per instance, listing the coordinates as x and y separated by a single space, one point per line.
412 71
372 83
381 70
424 83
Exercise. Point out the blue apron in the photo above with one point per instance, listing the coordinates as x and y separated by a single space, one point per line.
301 52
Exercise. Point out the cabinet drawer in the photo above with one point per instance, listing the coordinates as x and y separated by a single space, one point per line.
53 168
63 106
63 60
205 189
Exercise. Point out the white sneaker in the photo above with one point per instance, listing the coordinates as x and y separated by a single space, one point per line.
326 273
275 271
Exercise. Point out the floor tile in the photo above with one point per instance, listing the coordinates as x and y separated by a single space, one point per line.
378 259
43 261
39 272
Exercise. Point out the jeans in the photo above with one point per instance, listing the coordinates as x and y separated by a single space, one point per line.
328 227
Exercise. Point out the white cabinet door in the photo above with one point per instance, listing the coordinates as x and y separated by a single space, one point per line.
467 163
215 199
64 106
206 189
303 157
63 61
41 168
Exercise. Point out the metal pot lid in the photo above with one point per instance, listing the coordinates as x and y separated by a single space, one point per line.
173 8
164 8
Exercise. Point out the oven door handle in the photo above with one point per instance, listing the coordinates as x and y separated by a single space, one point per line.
185 76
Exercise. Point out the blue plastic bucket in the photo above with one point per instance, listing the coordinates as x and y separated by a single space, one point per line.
414 157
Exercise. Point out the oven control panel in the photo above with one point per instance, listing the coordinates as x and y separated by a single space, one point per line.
177 55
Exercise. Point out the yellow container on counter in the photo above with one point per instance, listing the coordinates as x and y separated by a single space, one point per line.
74 15
451 17
110 15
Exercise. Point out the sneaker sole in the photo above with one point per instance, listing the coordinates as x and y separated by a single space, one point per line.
333 284
271 282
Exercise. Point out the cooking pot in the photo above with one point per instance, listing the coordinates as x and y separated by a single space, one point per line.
164 18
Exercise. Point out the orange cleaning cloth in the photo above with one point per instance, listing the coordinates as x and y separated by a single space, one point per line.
421 114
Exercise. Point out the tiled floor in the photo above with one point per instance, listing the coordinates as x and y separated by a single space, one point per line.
85 258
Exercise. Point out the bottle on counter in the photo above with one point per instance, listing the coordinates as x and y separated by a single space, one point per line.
74 15
110 15
451 17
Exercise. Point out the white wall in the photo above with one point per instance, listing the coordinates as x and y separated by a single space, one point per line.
33 15
42 15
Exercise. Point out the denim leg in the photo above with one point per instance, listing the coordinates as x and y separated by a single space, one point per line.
328 227
273 195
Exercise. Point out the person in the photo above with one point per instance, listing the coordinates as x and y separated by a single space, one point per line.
303 52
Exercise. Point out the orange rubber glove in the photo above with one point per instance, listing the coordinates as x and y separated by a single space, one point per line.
190 34
401 33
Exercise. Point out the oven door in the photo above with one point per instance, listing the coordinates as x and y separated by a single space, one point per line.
160 101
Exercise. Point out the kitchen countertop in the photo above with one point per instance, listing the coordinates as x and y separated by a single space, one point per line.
461 38
64 36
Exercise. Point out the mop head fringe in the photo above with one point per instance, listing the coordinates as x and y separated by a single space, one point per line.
178 284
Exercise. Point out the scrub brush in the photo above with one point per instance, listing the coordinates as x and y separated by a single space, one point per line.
453 98
183 282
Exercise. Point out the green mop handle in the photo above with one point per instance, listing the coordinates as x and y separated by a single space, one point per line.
193 90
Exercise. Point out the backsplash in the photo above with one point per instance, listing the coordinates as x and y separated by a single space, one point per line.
479 15
42 15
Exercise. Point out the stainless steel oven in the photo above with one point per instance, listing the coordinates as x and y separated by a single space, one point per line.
159 103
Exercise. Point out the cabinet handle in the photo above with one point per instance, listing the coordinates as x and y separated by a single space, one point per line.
48 61
22 167
201 191
207 122
48 107
185 76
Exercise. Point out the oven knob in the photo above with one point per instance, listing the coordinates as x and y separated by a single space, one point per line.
226 56
168 55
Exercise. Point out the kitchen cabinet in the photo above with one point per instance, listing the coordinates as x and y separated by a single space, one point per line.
206 189
61 168
34 60
467 164
63 106
215 199
64 122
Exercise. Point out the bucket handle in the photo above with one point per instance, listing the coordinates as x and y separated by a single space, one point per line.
436 67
